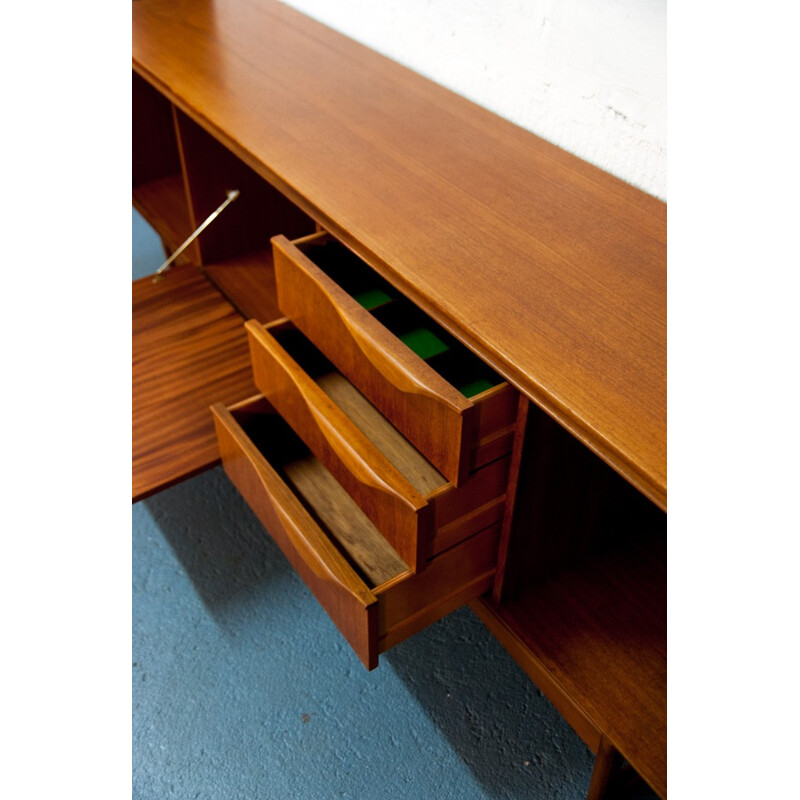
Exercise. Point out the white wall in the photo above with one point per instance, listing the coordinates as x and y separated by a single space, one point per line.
588 75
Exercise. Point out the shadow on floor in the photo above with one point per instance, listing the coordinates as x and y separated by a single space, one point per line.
219 542
509 735
498 723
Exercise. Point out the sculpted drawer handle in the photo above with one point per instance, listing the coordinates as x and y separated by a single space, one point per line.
312 546
354 461
359 324
382 360
332 428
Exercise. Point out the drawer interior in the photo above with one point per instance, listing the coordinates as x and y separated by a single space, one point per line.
419 472
346 525
432 343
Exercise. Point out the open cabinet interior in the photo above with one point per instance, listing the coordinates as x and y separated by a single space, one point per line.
580 595
159 194
189 346
181 174
235 250
571 508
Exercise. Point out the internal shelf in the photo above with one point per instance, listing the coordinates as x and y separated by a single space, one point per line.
162 202
594 637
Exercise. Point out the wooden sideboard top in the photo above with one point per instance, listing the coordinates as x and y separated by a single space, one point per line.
552 270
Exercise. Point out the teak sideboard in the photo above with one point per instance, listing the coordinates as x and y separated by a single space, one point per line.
428 347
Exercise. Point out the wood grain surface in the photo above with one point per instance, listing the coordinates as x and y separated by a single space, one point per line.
417 470
346 523
248 281
434 415
452 579
406 499
189 351
385 495
550 269
594 638
329 558
325 570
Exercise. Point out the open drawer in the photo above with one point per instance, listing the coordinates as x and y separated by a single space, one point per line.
442 397
419 511
366 588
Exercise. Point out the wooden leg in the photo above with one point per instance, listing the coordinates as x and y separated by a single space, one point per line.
613 778
607 763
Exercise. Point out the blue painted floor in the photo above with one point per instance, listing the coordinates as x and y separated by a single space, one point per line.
243 688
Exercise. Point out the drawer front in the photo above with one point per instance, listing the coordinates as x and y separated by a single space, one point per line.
384 495
358 446
372 618
430 412
346 598
461 512
453 579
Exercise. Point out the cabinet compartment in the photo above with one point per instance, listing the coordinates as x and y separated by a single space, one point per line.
363 584
443 398
159 194
235 250
580 596
418 510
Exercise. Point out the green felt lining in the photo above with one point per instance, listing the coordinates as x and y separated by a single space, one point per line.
475 387
423 342
372 298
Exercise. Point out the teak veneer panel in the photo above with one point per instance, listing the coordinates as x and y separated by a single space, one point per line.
380 470
189 351
549 268
332 558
